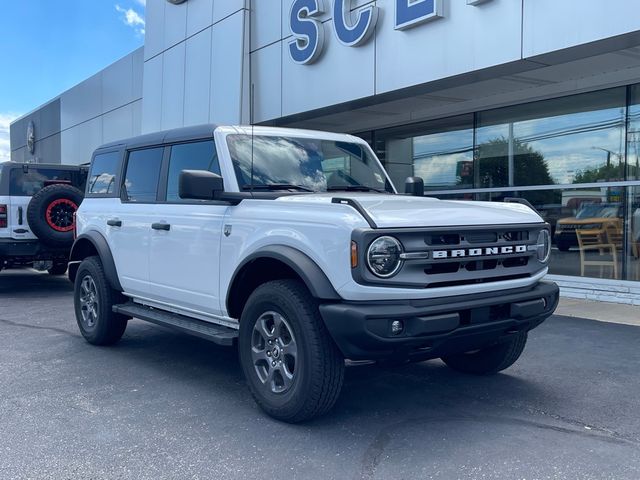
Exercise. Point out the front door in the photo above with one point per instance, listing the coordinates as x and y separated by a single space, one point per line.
185 246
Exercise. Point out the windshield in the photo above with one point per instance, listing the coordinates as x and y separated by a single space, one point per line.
598 211
308 164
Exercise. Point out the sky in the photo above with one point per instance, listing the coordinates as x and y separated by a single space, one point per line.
47 47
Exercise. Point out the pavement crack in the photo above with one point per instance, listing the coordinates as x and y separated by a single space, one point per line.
35 327
373 455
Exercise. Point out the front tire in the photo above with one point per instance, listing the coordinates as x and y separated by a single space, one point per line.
293 368
93 300
491 360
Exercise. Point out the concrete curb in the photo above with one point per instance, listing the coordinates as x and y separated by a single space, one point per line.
601 311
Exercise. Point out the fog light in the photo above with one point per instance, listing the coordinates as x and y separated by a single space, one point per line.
397 327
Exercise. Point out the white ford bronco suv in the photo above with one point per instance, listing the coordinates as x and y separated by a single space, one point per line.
295 246
37 204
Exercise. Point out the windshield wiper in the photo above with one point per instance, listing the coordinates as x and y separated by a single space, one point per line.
354 188
277 186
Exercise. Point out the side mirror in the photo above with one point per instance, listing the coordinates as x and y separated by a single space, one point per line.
199 185
414 186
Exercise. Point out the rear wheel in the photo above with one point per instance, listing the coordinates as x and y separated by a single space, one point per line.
489 360
93 300
50 214
58 268
293 367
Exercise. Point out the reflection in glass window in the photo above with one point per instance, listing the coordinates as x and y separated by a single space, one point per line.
577 139
633 133
588 229
102 177
143 172
190 156
313 164
440 152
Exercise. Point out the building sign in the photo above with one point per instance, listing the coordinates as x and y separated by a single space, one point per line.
351 30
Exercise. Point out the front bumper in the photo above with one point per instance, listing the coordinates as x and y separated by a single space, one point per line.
436 327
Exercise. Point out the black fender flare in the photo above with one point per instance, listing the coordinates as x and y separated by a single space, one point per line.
101 246
308 270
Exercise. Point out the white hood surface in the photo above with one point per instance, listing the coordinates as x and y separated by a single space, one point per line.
400 211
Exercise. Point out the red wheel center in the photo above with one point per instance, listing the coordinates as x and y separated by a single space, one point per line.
59 214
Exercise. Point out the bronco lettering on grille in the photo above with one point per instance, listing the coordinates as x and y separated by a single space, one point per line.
479 252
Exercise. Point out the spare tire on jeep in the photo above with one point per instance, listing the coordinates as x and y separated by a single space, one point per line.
51 214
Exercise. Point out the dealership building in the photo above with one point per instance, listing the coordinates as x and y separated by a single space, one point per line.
483 99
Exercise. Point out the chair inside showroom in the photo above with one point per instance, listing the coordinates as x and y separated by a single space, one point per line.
597 251
614 235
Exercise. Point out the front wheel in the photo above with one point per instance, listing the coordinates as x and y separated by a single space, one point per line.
488 361
293 367
93 300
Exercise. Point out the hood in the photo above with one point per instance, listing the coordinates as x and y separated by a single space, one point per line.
398 211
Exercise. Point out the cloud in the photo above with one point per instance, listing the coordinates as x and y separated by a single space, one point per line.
142 2
132 18
5 121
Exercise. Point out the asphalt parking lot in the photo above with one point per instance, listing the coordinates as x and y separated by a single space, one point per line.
164 405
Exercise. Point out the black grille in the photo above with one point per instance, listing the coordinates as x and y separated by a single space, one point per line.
458 256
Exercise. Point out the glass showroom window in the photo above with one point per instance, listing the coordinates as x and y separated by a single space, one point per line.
570 140
588 228
440 152
633 133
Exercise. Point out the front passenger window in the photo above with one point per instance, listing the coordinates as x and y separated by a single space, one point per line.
190 156
143 172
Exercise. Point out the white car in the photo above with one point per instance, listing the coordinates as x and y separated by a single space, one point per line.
37 207
296 245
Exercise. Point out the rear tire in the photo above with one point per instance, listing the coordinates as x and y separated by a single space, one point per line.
491 360
50 214
293 368
58 268
93 300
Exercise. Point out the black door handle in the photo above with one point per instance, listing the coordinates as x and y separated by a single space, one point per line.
114 223
161 226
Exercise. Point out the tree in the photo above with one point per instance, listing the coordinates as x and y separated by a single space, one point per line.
604 172
530 168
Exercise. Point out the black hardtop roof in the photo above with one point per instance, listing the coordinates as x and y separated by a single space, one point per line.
59 166
183 134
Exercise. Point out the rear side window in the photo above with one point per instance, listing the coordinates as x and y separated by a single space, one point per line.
28 183
103 176
190 156
143 172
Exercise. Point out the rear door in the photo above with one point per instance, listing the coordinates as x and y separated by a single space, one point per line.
129 222
184 261
20 184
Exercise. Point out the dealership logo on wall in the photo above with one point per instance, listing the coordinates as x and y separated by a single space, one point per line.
31 137
176 2
308 33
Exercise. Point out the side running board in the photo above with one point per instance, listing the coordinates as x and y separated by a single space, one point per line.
216 333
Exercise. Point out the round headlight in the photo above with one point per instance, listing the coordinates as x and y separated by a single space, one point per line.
543 246
383 256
